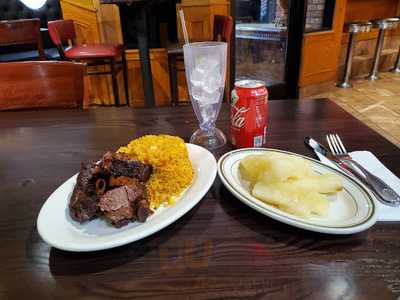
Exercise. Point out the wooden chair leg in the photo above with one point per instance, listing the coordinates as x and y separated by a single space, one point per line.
125 74
114 81
170 79
173 83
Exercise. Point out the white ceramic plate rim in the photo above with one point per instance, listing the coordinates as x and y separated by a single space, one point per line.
205 167
281 216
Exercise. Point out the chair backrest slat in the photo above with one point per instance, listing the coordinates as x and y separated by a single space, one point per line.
61 31
44 84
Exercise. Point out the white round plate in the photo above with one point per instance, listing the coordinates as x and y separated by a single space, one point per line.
57 228
351 210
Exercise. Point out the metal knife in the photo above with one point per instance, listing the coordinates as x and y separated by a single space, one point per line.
381 190
317 147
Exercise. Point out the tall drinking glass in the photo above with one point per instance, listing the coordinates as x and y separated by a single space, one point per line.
205 66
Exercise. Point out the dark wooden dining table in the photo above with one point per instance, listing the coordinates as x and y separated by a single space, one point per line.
221 249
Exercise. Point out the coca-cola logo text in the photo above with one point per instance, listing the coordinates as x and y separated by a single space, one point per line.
238 120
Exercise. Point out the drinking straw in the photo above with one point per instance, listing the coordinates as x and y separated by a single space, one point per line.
185 34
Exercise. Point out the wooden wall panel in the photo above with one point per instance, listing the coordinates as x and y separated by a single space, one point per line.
365 10
320 53
199 17
319 63
159 68
110 24
85 20
197 22
183 93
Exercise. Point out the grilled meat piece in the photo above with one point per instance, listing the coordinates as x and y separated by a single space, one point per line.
121 164
84 198
113 188
122 180
82 207
143 210
120 205
87 177
101 186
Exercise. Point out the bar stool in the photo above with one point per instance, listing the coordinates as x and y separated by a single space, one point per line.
382 24
352 29
63 32
396 68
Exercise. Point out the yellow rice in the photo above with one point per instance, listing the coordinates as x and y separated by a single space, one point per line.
172 169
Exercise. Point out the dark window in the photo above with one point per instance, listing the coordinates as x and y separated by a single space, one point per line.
319 15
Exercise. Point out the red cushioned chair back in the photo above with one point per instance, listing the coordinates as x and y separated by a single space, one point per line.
228 28
61 31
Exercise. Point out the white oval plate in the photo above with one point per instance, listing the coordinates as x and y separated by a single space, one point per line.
351 210
57 228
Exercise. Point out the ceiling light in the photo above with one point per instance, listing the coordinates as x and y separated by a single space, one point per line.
34 4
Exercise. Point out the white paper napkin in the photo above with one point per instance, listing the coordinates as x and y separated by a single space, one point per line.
372 164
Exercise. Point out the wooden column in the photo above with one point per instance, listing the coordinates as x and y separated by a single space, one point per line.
320 53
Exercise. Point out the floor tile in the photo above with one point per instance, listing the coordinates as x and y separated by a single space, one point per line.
376 103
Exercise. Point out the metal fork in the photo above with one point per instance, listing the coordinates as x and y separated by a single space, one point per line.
382 191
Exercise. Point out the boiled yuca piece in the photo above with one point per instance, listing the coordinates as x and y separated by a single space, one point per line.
324 183
317 203
273 166
253 166
273 194
289 183
291 198
284 199
283 167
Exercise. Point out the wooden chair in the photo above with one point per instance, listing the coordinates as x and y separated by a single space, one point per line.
22 32
223 26
43 84
63 31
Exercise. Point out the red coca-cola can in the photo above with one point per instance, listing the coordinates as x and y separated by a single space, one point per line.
249 114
